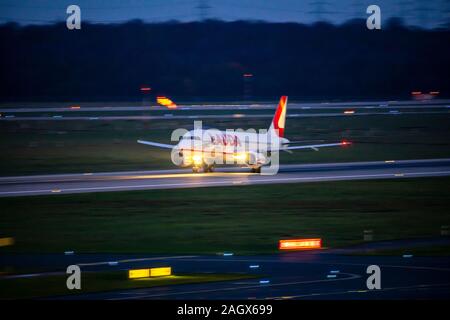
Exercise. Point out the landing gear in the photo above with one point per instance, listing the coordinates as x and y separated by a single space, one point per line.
208 168
256 170
205 167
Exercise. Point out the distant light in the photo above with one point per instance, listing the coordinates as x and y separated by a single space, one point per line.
299 244
414 93
349 111
146 89
345 143
331 276
8 241
166 102
248 75
254 266
434 92
69 253
334 271
264 281
227 254
407 256
74 107
389 161
113 263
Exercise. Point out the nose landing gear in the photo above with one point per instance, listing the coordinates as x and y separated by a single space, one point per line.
205 167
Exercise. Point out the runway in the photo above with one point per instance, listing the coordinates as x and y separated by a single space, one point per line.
121 112
171 116
322 274
137 106
183 178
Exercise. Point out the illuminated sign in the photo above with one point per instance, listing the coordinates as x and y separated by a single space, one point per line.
152 272
159 272
300 244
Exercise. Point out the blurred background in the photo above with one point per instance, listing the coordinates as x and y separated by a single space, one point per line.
223 50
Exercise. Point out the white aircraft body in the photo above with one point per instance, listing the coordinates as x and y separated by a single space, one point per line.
204 149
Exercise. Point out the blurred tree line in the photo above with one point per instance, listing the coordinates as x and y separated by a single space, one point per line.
207 60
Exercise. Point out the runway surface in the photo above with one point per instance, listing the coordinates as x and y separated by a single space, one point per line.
102 111
137 106
184 178
297 275
171 116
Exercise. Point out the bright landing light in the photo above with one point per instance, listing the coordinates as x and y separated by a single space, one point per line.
197 159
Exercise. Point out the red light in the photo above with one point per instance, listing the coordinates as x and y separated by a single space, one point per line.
300 244
146 89
248 75
345 143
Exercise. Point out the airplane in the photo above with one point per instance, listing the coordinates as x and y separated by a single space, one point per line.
204 149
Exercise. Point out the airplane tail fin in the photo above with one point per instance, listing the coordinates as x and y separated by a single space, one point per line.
279 118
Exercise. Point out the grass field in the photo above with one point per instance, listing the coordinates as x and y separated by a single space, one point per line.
55 285
236 219
93 146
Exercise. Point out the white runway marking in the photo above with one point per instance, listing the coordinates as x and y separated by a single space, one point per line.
231 182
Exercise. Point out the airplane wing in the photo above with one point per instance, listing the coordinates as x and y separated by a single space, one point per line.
156 144
316 147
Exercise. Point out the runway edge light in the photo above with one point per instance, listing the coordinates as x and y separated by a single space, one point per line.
300 244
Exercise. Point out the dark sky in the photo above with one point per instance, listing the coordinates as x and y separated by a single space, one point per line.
428 14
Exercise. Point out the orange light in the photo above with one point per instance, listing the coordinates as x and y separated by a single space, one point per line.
164 101
300 244
349 111
416 92
75 107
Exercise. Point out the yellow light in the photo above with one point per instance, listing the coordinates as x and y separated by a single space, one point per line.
6 242
160 272
138 273
152 272
197 159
